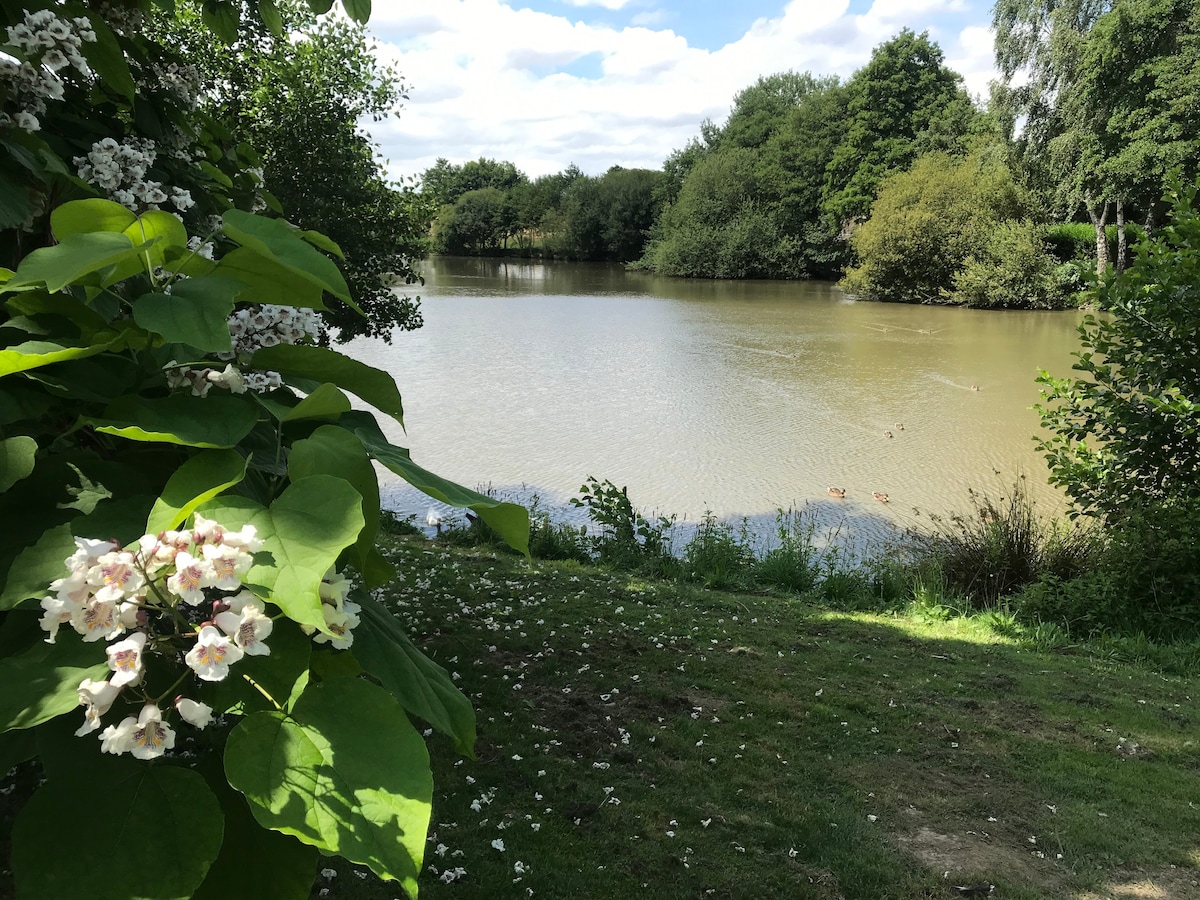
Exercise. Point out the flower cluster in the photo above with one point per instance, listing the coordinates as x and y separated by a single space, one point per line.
47 44
179 595
267 325
264 325
120 169
182 81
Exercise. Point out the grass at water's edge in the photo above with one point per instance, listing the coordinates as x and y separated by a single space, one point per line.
651 739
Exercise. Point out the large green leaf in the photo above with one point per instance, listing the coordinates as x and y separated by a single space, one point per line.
17 459
254 862
43 682
194 313
35 303
276 240
269 282
372 385
197 481
105 56
358 10
152 835
223 18
158 231
346 773
334 451
218 420
15 748
304 530
15 199
85 216
35 354
509 520
421 685
276 674
73 257
268 12
36 566
326 402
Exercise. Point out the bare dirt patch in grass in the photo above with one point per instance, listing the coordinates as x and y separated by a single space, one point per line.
1164 883
967 858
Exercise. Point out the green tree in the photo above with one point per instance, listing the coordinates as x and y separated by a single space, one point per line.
480 221
760 110
925 224
720 225
902 103
609 217
298 99
444 182
1125 432
1038 48
1139 68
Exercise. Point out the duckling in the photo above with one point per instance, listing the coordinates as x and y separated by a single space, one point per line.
881 497
974 387
899 426
839 493
887 434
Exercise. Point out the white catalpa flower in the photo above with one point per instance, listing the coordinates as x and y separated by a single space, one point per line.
213 654
116 739
114 576
125 659
97 697
341 623
98 619
334 588
230 379
227 563
58 611
87 553
191 576
193 712
150 738
248 627
206 531
245 539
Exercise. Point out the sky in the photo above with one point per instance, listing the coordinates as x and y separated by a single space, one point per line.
597 83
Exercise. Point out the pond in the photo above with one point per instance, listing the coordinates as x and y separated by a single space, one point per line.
732 397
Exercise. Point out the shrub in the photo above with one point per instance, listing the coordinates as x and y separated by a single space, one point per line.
925 223
717 556
1001 548
556 540
627 538
1145 580
1014 269
793 564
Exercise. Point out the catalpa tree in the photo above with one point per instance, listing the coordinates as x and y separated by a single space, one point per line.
190 649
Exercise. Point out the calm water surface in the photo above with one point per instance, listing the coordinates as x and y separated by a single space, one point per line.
732 397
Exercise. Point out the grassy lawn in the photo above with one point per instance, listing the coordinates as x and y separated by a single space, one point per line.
646 739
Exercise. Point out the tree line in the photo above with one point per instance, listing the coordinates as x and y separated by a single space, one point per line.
893 180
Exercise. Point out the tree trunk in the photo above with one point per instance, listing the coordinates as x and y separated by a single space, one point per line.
1122 245
1150 223
1099 217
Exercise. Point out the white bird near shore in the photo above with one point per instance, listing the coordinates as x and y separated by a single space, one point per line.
433 520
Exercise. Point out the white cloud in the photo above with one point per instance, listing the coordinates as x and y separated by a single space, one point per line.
477 72
607 4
